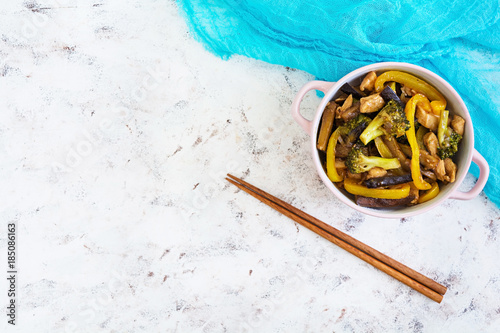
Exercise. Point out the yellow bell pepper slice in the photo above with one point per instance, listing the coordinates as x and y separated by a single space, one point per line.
429 194
438 101
412 139
392 85
393 192
331 171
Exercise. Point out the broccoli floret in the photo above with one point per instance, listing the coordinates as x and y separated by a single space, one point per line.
358 162
355 126
359 120
390 120
404 139
448 139
449 145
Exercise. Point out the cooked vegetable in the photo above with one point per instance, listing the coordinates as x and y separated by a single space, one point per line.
391 120
396 151
358 162
380 203
356 126
327 122
404 140
387 180
384 151
389 94
420 134
438 101
410 134
394 192
450 144
350 90
382 148
351 129
429 194
442 126
415 193
448 139
331 170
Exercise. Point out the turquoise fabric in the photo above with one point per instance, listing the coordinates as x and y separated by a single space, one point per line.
459 40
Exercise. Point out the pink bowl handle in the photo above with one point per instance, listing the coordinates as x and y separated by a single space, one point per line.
313 85
484 171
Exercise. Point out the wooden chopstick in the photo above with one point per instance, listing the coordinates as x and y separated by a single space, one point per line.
440 289
402 273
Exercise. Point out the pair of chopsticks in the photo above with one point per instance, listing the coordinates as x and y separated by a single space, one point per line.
397 270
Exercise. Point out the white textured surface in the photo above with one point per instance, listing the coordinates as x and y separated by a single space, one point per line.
116 130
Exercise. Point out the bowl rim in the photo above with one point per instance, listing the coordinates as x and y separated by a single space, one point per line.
408 211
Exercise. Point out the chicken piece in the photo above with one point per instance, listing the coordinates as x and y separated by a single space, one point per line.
431 143
347 104
376 172
340 164
427 160
458 124
357 176
408 91
440 171
428 173
371 103
427 119
404 98
351 112
343 174
368 82
451 170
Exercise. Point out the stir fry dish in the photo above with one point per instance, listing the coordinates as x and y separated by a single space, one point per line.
390 141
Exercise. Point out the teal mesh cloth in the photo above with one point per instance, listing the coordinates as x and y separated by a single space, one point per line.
459 40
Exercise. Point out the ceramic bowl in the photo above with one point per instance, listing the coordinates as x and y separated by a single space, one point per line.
455 104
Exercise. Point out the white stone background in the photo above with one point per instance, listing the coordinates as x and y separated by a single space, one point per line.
116 131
